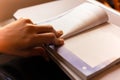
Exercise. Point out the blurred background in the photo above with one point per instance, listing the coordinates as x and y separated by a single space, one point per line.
8 7
115 4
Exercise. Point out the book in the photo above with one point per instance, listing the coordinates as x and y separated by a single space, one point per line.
75 14
92 44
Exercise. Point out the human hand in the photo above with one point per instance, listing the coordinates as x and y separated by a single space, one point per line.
23 38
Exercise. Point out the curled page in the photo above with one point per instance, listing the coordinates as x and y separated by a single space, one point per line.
80 18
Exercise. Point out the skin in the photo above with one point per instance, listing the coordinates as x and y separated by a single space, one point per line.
23 38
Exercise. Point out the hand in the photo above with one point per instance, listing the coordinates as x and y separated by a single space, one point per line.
23 38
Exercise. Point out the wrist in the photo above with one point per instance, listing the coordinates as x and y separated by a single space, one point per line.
3 43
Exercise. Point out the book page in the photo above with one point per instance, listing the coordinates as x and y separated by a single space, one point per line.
96 46
80 18
42 12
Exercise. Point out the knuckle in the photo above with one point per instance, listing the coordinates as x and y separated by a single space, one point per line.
50 27
26 20
52 35
29 27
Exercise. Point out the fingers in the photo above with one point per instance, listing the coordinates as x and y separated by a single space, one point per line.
37 51
59 33
58 42
43 34
40 28
47 38
47 28
40 51
25 20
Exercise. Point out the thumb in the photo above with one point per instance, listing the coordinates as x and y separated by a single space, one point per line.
39 51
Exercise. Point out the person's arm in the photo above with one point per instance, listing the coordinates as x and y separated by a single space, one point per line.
23 38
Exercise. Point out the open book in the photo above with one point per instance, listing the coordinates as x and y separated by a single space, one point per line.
91 43
78 19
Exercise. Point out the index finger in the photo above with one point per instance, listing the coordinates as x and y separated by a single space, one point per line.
47 28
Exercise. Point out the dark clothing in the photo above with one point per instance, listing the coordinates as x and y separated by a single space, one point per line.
34 68
110 2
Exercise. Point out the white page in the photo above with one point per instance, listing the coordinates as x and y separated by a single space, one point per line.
42 12
82 17
96 46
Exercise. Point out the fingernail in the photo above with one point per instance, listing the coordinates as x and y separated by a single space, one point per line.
60 32
61 41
